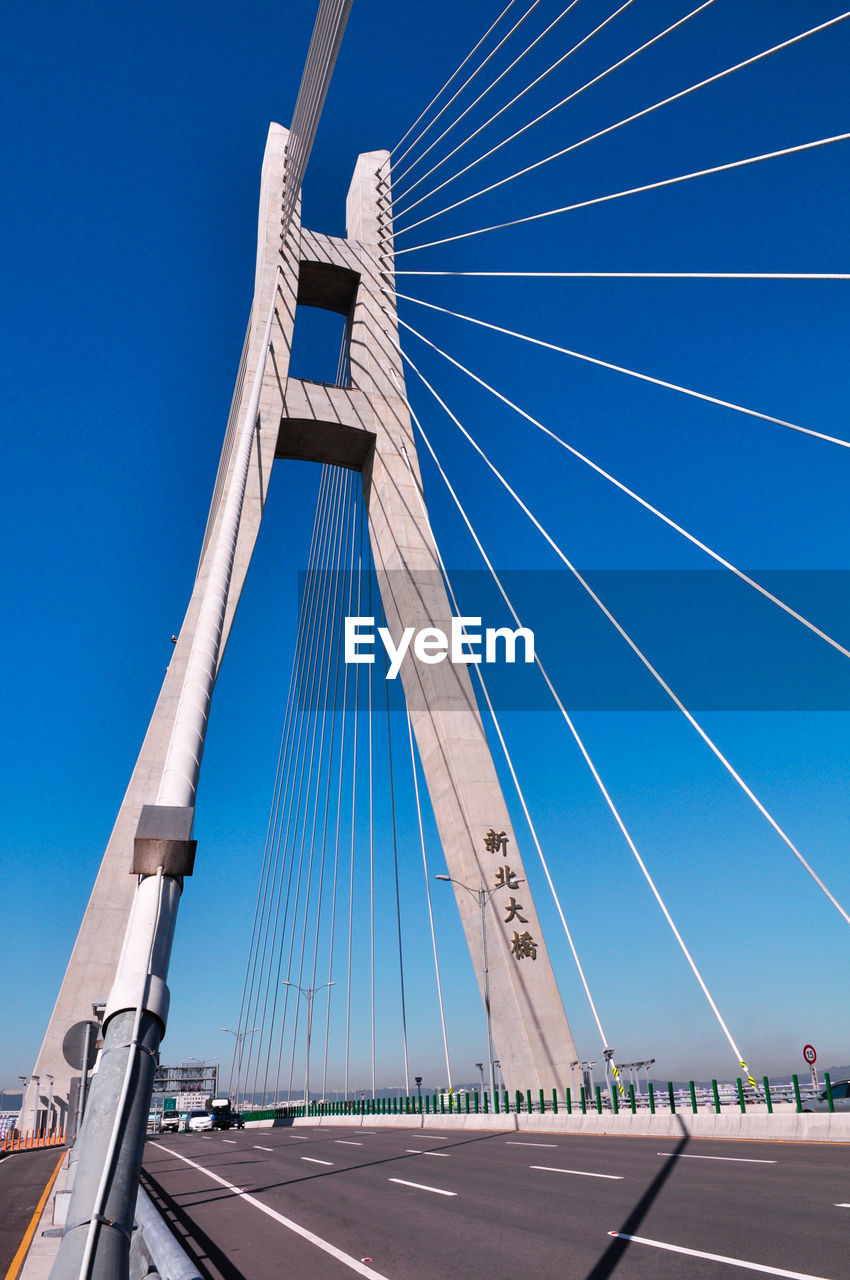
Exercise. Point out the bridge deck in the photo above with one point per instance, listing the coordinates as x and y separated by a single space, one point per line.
408 1204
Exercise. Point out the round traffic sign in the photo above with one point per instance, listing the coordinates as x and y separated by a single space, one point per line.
809 1054
82 1036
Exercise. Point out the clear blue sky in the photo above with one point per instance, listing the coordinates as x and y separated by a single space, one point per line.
132 145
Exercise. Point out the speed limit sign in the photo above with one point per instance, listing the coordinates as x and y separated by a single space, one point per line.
809 1054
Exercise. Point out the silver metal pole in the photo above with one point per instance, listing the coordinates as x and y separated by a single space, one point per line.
308 994
482 902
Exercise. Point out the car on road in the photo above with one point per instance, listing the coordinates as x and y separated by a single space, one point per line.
170 1122
198 1121
840 1098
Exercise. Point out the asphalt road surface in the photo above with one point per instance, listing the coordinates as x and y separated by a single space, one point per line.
407 1204
23 1177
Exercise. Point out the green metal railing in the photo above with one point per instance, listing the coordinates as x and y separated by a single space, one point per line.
692 1097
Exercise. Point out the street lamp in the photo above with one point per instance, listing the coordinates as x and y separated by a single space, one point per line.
239 1044
49 1124
308 993
482 895
418 1080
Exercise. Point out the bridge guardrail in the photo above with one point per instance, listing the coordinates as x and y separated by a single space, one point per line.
154 1246
693 1097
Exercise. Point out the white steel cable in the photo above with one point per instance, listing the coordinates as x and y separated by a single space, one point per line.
398 199
428 897
637 650
356 717
280 907
370 569
629 191
727 564
455 73
490 707
325 42
640 275
484 93
272 841
599 782
287 834
332 652
297 820
179 780
352 522
395 872
637 115
313 793
619 368
466 82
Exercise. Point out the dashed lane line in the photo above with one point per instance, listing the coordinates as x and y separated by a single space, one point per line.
420 1186
324 1245
232 1141
346 1142
717 1257
439 1155
313 1160
674 1155
256 1148
508 1143
579 1173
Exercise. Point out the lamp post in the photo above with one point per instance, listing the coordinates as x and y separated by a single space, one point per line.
49 1122
418 1080
36 1080
480 1068
482 895
25 1080
308 993
239 1044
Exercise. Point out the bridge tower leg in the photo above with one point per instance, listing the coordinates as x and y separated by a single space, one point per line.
364 425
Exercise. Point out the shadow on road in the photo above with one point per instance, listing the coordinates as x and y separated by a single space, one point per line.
613 1255
212 1264
223 1164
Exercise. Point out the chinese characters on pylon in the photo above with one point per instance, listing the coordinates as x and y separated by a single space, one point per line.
523 945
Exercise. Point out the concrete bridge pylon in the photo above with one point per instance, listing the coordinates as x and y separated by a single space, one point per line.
364 425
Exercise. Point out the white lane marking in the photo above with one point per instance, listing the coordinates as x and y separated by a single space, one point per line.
313 1160
579 1173
411 1152
232 1141
438 1155
346 1258
420 1186
256 1148
674 1155
345 1142
717 1257
299 1137
508 1143
842 1206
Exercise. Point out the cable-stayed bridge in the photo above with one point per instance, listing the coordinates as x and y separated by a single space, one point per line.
372 785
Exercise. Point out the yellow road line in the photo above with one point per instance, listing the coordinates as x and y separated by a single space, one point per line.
17 1261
